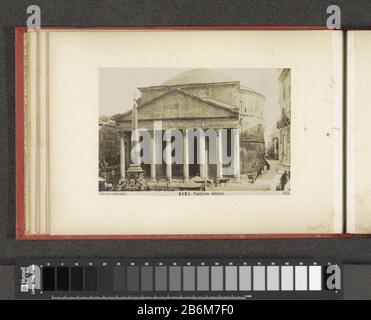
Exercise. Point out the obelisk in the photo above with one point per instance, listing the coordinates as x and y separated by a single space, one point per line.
134 175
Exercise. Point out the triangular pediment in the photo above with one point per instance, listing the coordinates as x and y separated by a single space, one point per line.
177 104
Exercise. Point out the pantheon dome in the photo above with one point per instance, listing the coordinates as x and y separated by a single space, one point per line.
197 76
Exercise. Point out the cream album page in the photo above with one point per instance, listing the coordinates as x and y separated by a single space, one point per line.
358 132
197 132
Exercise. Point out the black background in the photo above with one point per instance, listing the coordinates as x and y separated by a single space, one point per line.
355 14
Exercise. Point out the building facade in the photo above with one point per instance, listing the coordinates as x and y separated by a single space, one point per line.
198 99
273 146
109 150
284 123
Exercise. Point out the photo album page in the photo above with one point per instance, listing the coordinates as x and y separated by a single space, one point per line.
183 132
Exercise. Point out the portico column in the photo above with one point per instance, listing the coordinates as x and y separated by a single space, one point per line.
122 156
206 162
185 155
202 157
236 153
219 155
168 157
153 155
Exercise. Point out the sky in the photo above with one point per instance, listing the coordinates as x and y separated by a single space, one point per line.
118 86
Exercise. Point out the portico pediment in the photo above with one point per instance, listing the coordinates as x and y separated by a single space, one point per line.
177 104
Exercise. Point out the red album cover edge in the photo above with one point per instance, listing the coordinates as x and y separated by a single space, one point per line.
20 152
19 132
193 237
195 27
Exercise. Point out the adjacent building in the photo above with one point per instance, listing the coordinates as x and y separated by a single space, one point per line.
273 146
284 123
109 150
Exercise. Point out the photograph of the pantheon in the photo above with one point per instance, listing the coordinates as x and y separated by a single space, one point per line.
194 130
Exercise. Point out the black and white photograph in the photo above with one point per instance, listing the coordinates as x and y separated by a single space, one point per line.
188 130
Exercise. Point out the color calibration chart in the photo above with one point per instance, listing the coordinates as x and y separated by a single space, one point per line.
125 278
